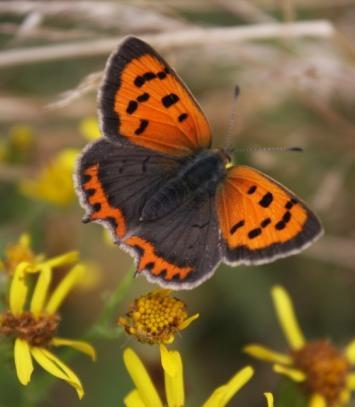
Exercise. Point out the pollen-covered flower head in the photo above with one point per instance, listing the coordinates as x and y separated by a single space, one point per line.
156 317
34 328
322 369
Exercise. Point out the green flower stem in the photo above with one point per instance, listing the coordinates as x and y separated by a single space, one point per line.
104 323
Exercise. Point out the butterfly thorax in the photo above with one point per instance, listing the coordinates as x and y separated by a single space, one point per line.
197 177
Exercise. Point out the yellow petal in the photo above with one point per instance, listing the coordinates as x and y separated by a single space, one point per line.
62 260
294 374
268 355
173 376
287 317
350 352
18 289
317 401
133 399
223 394
57 368
64 287
269 399
141 379
40 292
81 346
188 321
350 379
23 361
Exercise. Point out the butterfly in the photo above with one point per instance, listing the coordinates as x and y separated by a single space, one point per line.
176 205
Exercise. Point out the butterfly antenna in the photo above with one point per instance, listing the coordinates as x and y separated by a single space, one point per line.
252 149
232 118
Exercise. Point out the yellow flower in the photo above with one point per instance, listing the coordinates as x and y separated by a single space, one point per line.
18 252
34 329
21 138
54 184
146 395
89 128
22 252
156 317
323 369
18 145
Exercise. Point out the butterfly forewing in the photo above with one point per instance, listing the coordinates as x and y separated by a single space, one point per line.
260 220
142 101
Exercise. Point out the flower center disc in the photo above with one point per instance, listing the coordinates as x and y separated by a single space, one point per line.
155 317
326 369
36 331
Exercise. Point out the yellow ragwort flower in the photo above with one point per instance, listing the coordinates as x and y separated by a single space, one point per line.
21 251
16 253
146 395
322 368
34 329
21 138
156 317
54 184
89 128
18 145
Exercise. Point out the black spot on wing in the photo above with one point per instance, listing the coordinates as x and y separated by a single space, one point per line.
283 222
254 233
132 107
148 76
266 200
251 190
143 97
265 222
143 125
139 81
182 117
96 207
161 75
235 227
150 265
169 100
140 249
291 203
90 191
287 216
280 225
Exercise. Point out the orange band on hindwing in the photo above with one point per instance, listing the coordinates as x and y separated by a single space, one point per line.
149 260
98 201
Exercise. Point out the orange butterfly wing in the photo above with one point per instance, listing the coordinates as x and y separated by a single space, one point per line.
142 101
260 220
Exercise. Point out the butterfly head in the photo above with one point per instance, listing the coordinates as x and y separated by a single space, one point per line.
226 157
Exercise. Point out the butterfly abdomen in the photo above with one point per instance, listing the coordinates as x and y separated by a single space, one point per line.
201 174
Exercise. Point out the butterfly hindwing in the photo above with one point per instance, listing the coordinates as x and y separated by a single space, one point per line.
143 102
182 249
115 180
260 220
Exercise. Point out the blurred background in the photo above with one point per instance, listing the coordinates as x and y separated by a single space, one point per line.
297 89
